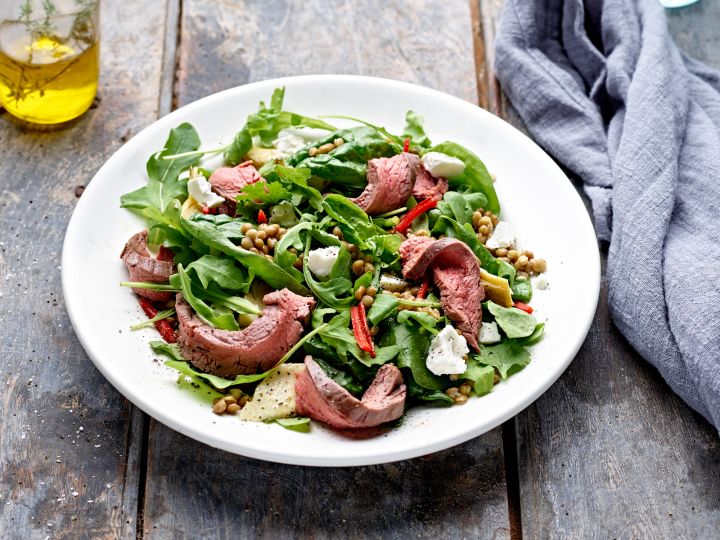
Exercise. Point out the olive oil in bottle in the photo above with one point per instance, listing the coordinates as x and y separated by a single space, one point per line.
49 73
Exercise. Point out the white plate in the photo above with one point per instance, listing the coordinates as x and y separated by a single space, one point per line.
536 197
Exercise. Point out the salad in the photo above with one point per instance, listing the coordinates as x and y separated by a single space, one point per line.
342 275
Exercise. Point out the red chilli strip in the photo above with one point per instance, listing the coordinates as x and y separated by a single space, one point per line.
163 326
361 330
420 209
422 293
262 218
205 209
523 307
406 145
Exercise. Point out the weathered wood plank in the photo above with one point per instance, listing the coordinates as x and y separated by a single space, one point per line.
609 450
69 443
196 491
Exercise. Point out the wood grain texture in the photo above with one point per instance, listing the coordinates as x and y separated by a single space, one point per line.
196 491
609 451
695 29
69 443
228 42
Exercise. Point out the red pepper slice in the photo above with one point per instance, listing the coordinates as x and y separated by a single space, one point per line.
524 307
406 145
361 330
262 218
163 326
420 209
422 293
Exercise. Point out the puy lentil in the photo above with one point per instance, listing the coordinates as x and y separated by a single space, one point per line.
357 267
233 408
359 293
220 406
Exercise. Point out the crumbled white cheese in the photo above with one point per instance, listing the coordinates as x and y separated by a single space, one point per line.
446 351
292 139
201 190
503 236
274 397
442 166
321 260
489 333
541 283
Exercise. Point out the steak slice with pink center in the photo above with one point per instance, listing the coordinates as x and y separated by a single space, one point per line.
254 349
142 266
321 398
456 272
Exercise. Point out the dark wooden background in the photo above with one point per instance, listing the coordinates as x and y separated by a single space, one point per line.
607 452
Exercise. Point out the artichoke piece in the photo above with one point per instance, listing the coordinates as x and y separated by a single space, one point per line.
261 156
497 289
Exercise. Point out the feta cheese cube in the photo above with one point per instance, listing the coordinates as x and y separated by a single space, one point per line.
446 351
442 166
201 190
503 236
321 260
489 333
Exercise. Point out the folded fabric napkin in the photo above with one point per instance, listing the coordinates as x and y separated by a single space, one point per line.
603 88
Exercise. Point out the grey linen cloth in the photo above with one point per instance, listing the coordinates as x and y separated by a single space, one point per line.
603 88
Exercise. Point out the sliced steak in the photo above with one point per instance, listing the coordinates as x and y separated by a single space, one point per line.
142 266
427 186
254 349
229 181
390 183
321 398
456 273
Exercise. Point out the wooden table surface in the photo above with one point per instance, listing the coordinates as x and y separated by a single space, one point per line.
607 452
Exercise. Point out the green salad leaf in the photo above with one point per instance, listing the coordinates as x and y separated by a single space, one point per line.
384 306
295 423
222 271
412 354
163 185
241 144
355 224
346 165
218 316
260 194
506 356
415 130
483 377
422 319
203 229
338 335
514 322
476 177
295 181
522 290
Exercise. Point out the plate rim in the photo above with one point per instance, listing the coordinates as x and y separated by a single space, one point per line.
593 280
